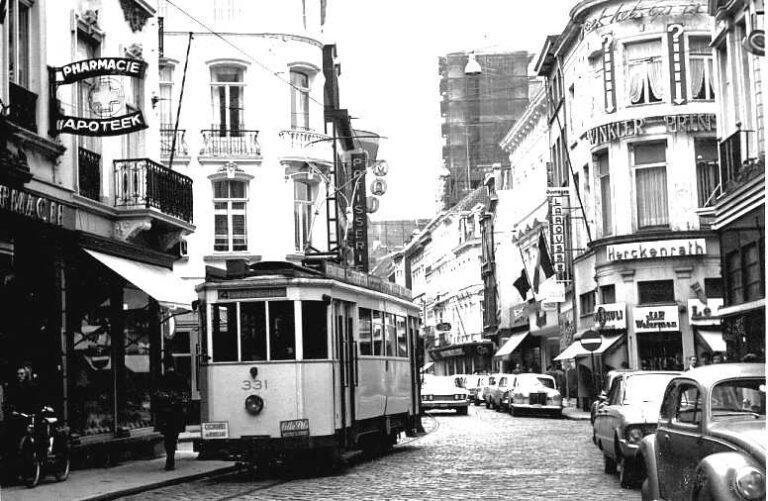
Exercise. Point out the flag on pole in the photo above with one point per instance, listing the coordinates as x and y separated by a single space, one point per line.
522 285
543 263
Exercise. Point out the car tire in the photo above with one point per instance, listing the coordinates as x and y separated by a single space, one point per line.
627 473
462 411
487 404
609 465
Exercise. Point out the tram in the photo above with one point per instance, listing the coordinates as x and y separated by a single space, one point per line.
298 361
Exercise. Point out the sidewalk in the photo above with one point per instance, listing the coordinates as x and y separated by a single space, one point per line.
128 478
574 413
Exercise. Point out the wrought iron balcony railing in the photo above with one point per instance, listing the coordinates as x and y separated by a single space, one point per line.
23 107
166 142
89 173
738 160
306 143
219 142
142 183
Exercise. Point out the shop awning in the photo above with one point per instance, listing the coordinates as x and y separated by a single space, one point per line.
575 350
427 366
512 343
714 338
158 282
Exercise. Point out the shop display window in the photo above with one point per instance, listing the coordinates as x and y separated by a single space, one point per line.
135 410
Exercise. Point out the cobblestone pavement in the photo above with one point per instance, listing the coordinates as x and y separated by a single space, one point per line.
485 455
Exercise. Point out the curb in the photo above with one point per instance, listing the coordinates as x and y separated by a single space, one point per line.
163 483
575 417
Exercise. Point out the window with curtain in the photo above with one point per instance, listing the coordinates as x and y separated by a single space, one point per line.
645 80
166 97
707 174
650 172
18 22
700 69
227 89
299 100
229 206
606 204
304 195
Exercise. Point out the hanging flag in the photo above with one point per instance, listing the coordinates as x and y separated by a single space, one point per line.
543 263
522 285
2 11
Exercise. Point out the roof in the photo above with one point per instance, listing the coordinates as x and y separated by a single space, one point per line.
711 374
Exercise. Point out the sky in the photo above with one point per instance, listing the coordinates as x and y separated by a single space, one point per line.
388 51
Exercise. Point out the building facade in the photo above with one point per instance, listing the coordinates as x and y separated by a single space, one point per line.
738 212
633 137
88 216
482 94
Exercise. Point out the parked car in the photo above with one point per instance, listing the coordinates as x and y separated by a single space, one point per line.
444 392
710 440
535 393
499 392
603 395
486 390
629 413
474 384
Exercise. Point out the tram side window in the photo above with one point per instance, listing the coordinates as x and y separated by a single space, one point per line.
314 327
402 337
225 332
377 323
364 320
253 331
282 341
391 333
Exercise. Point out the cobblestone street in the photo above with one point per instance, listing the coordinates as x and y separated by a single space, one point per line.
486 455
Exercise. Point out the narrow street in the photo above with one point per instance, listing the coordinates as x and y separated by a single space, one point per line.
486 455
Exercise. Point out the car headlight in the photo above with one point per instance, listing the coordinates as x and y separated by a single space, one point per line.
458 396
517 396
750 483
634 434
254 404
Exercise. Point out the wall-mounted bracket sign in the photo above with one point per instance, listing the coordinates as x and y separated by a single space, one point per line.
110 113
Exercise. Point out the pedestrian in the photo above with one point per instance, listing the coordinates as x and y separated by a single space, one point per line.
693 362
749 358
717 358
517 369
22 396
171 399
705 358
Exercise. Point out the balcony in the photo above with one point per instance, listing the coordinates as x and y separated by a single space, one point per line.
89 173
141 183
166 143
738 161
222 143
305 145
23 107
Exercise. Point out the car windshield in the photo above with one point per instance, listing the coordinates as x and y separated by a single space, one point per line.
738 397
437 382
646 387
539 381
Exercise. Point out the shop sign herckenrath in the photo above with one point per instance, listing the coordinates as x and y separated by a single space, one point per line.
656 318
36 207
657 249
610 316
111 114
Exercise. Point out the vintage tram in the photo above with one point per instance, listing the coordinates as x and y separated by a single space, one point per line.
298 361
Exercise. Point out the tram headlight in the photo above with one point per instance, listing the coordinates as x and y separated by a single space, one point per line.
254 404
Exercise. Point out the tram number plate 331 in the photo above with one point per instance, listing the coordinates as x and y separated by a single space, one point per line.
294 428
254 384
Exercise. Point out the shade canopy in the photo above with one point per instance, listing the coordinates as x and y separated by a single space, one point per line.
158 282
575 350
511 345
713 338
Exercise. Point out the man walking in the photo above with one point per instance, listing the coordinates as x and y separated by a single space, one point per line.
171 399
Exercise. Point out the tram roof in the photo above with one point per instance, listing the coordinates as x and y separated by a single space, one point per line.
241 269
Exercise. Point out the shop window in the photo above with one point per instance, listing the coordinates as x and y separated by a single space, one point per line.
707 171
713 287
253 331
604 175
402 337
377 327
650 173
701 75
227 92
753 274
314 329
390 332
225 332
587 303
656 291
304 197
645 79
660 351
282 340
364 325
229 203
299 100
608 294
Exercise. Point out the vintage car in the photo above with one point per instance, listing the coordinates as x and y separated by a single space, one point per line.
629 413
486 390
603 395
474 384
710 440
535 393
498 396
444 392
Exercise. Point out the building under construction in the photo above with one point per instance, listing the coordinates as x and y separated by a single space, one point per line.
483 94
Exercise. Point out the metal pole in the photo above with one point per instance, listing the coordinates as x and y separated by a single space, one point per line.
594 386
178 108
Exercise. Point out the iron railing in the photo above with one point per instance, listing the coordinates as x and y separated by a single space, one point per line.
218 142
142 183
738 162
89 173
166 142
23 107
306 143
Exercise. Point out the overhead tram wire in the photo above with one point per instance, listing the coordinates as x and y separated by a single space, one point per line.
242 51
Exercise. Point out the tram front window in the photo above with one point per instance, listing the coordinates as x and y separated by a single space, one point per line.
282 343
225 332
253 331
314 320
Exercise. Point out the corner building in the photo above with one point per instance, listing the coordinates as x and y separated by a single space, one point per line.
633 133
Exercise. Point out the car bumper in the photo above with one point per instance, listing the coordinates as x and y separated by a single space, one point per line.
538 407
628 450
425 404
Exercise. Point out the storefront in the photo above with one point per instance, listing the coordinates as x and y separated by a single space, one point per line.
466 358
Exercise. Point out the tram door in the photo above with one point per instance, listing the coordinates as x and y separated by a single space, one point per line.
346 354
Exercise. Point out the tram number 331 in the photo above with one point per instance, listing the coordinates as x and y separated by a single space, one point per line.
255 384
